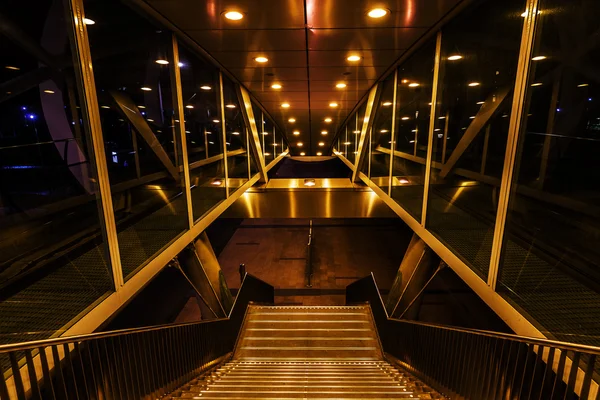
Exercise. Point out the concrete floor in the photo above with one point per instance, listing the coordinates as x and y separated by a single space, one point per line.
344 250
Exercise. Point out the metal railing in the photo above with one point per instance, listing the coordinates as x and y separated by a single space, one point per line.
474 364
140 363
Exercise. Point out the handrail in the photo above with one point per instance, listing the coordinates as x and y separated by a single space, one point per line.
127 363
489 363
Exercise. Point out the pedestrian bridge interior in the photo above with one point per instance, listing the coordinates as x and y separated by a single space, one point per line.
300 199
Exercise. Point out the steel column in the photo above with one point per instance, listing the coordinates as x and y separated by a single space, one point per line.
516 118
256 151
224 131
87 88
393 134
436 75
366 126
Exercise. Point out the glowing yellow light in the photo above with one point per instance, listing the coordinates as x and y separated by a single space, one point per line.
285 105
333 104
235 133
539 58
216 121
583 85
300 144
261 59
377 12
142 107
276 86
405 118
387 104
455 57
189 106
292 120
353 58
328 120
216 182
146 89
321 144
340 85
205 87
473 84
234 15
319 153
161 62
230 106
12 68
414 84
87 21
347 143
536 84
303 154
324 132
49 91
296 133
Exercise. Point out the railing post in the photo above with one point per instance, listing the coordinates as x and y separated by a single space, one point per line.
87 88
516 118
434 92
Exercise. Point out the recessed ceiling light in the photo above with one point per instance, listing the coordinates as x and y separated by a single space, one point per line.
387 104
583 85
539 58
276 86
296 133
340 85
324 132
180 64
285 105
404 80
235 133
105 107
146 89
230 106
455 57
189 106
265 133
321 144
347 143
150 119
216 121
333 104
353 58
413 84
473 84
300 144
442 118
319 153
87 21
405 118
480 102
384 131
292 120
12 68
142 107
161 61
261 59
328 120
403 181
377 12
267 154
233 15
536 84
49 91
205 87
303 154
356 132
216 182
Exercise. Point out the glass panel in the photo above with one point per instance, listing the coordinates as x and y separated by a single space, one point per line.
550 256
354 129
235 136
133 80
200 87
53 261
413 114
479 61
382 136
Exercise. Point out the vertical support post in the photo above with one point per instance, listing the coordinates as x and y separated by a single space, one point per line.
445 138
516 119
223 131
549 130
366 126
136 153
486 142
393 135
178 103
434 93
416 141
87 88
257 152
370 152
248 153
205 143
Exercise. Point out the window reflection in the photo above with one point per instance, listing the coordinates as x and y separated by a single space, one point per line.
472 116
235 137
381 135
550 255
51 243
132 68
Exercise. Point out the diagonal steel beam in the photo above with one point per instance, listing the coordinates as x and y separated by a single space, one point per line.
367 125
255 149
133 115
486 112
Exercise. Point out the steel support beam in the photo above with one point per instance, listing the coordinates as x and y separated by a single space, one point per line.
223 131
393 134
516 119
255 150
366 127
89 103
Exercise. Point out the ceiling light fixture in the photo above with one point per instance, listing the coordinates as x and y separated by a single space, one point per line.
261 59
235 133
189 106
205 87
87 21
353 58
265 133
216 182
536 84
340 85
299 144
539 58
387 104
324 132
455 57
303 154
230 106
583 85
216 121
405 118
473 84
296 133
378 12
414 84
146 89
319 153
403 181
333 104
161 61
49 91
327 120
292 120
285 105
12 68
233 15
347 143
276 86
321 144
356 132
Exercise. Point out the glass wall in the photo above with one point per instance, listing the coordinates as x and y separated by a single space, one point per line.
132 67
477 77
381 135
53 260
413 115
550 256
203 128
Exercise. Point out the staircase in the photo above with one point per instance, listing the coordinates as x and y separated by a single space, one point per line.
307 352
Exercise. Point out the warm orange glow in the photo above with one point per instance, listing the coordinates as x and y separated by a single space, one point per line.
234 15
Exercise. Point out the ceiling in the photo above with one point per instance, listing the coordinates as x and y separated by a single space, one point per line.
307 43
